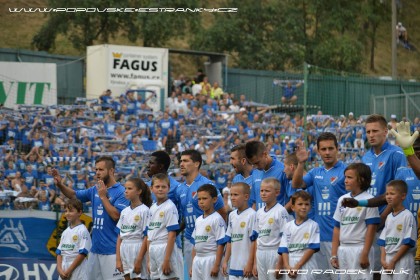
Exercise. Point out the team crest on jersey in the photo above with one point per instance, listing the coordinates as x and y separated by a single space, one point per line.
270 221
194 194
136 218
325 192
381 164
243 224
416 193
74 238
399 227
208 228
161 214
306 235
359 208
333 180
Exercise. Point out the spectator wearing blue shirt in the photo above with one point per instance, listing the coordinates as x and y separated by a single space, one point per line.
166 123
30 176
289 96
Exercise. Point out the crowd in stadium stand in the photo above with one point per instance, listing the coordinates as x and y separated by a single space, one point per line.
199 115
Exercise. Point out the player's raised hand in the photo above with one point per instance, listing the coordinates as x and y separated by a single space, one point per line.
56 176
349 202
403 137
102 189
301 153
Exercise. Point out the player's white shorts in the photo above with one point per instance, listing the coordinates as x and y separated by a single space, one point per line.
202 265
349 258
129 250
322 258
266 261
157 255
377 253
188 247
80 273
103 267
404 268
305 272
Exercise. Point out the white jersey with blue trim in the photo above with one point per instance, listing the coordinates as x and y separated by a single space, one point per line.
133 222
162 219
173 191
353 222
248 180
241 231
275 171
209 232
412 200
399 230
297 239
189 202
327 188
104 233
270 225
74 241
384 167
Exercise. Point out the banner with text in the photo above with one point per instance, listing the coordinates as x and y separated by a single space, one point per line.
124 68
28 83
35 269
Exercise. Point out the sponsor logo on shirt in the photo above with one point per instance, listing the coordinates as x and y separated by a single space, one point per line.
237 237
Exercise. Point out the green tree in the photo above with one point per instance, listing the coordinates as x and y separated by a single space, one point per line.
88 28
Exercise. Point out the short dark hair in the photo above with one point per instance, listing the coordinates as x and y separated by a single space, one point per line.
254 148
324 136
74 204
194 155
363 173
109 161
209 188
163 158
301 194
240 149
377 118
399 185
291 159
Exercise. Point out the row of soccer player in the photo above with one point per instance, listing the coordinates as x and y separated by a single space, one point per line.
108 198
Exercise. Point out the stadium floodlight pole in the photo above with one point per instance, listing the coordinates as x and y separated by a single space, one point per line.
394 40
305 99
